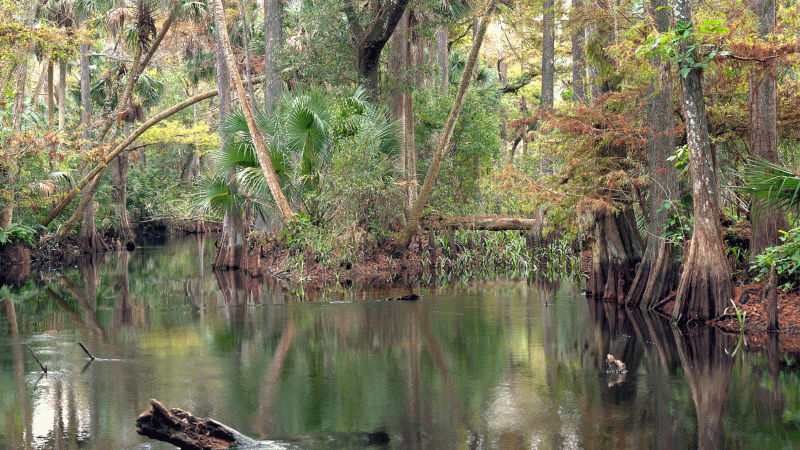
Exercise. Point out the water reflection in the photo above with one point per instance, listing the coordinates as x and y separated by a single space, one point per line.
502 365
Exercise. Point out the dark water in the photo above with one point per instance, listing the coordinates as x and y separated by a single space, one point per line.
501 365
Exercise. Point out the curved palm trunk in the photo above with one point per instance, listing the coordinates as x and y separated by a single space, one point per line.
705 285
261 150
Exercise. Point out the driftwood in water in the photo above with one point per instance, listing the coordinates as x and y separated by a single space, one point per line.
186 431
478 223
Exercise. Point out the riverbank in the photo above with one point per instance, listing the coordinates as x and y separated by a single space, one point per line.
377 266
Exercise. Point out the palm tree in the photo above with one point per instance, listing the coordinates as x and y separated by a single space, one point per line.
778 186
305 131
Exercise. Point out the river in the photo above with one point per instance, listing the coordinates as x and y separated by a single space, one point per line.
484 365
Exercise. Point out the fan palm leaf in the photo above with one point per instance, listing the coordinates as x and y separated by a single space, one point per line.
777 185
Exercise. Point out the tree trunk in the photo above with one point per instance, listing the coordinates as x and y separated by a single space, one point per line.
548 54
273 42
441 37
578 56
616 249
705 284
50 104
136 70
479 223
62 94
371 39
399 84
246 39
763 134
447 133
261 151
657 274
88 239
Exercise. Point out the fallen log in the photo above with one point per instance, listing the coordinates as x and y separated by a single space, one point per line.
182 429
188 432
478 223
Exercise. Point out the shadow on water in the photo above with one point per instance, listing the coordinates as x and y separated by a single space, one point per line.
509 365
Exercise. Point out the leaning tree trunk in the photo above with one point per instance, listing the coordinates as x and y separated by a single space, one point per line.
657 274
763 134
447 134
616 249
258 139
230 246
705 285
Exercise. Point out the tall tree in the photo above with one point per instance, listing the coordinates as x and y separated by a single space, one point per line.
705 284
444 139
370 38
657 274
578 56
273 42
258 139
231 245
548 54
763 132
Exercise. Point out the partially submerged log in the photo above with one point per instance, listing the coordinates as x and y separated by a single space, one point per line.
180 428
478 223
188 432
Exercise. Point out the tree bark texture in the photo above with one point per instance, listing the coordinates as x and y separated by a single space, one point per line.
447 133
705 284
273 42
763 134
616 249
548 54
578 56
186 431
657 274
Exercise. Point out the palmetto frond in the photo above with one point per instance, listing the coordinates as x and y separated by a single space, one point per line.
777 185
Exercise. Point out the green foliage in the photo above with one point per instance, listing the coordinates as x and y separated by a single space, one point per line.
785 258
679 224
475 145
777 185
333 154
500 253
682 47
16 232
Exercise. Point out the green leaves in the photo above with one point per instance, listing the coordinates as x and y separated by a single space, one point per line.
681 45
778 185
17 233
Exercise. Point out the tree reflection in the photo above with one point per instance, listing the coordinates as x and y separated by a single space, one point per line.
708 368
